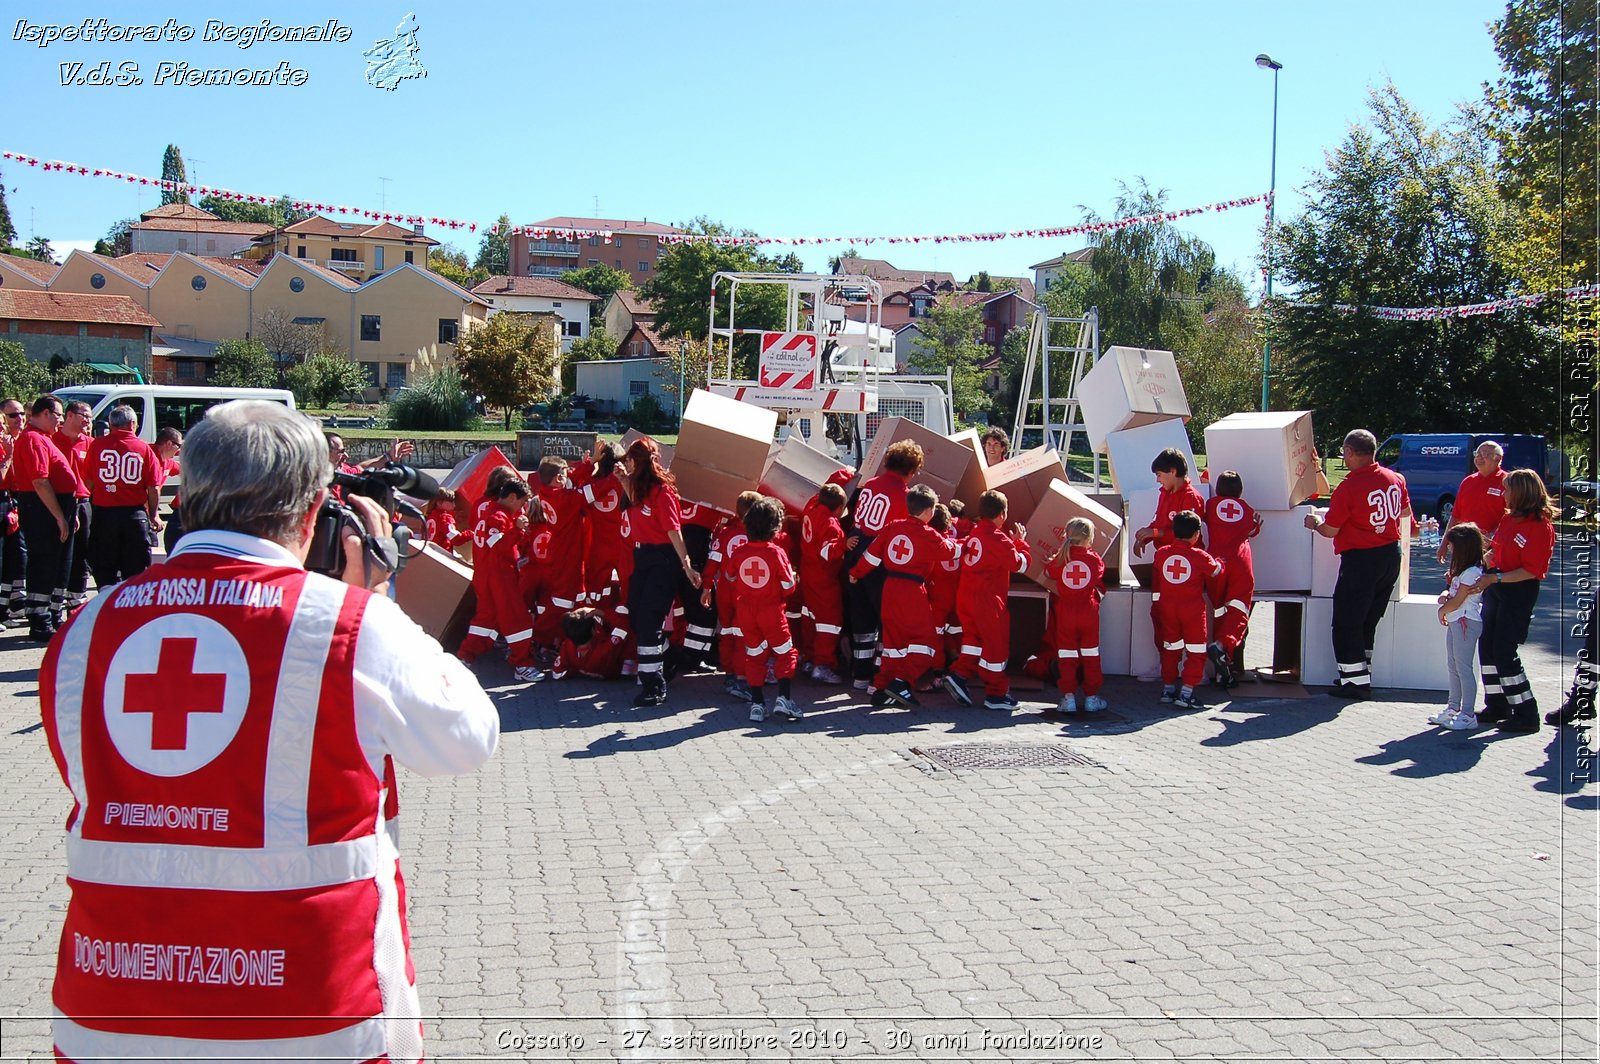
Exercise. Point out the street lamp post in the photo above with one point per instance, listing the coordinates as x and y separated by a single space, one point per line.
1266 62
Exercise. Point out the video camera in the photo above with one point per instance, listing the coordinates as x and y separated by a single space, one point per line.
335 520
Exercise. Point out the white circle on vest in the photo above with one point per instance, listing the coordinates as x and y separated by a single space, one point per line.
754 572
974 550
1076 575
1178 569
900 550
175 694
1230 510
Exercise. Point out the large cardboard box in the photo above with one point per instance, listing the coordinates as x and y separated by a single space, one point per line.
796 471
1144 659
1025 480
1116 629
1129 387
1047 526
1317 667
973 484
1132 450
1414 642
666 449
945 462
435 590
1325 563
722 449
1282 554
1273 451
470 476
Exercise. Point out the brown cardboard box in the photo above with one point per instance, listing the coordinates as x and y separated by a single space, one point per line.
945 462
435 590
1129 387
795 472
722 449
469 477
1047 527
666 449
1272 451
1025 479
972 485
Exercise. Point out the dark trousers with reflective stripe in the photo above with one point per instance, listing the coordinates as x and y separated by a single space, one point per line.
1507 610
119 543
1366 579
48 556
14 568
77 583
700 622
866 619
650 593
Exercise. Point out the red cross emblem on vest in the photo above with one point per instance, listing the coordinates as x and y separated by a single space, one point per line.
755 573
900 549
735 541
972 551
1177 569
1075 575
1230 510
541 544
604 503
173 692
549 511
805 529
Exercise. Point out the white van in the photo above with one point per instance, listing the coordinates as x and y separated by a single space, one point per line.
160 406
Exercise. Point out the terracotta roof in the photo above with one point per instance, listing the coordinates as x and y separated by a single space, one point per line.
637 305
146 264
317 225
615 225
71 306
880 270
341 279
44 271
540 287
650 335
179 210
203 225
1081 255
390 231
1020 285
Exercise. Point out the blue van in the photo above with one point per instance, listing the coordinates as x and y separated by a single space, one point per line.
1435 463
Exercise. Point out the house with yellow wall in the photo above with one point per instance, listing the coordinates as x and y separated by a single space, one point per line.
359 250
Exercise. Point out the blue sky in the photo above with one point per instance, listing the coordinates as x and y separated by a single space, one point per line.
885 117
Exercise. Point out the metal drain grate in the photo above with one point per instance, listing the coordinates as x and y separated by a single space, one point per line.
957 757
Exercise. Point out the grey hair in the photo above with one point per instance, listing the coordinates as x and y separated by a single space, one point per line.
1493 447
1360 441
122 417
255 467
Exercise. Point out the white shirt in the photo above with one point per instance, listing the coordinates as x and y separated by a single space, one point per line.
1472 608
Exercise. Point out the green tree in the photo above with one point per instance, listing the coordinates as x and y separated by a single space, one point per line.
600 280
598 346
494 253
324 379
172 170
511 361
952 328
287 340
1013 354
983 282
244 364
1408 216
118 239
1220 366
451 264
8 231
280 212
686 363
39 248
69 374
435 401
20 377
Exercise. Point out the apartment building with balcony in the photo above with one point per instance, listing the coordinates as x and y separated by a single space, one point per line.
540 295
627 245
358 250
175 227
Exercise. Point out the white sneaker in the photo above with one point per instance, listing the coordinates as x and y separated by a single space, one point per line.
862 685
1443 716
527 674
758 712
1069 704
1465 720
823 674
787 707
1093 704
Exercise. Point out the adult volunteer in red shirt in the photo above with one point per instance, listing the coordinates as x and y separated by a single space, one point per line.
45 486
1481 498
227 724
72 437
1523 544
1363 520
125 478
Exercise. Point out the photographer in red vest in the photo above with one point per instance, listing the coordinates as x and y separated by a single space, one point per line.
228 725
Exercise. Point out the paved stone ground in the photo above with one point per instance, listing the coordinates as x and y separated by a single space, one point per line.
1268 880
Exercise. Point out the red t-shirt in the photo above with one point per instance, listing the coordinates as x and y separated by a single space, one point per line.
1181 573
1185 497
1366 508
1481 500
1524 543
38 458
650 519
121 469
882 500
76 451
1229 525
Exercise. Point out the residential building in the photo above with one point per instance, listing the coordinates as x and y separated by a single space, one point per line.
617 383
359 250
107 332
629 246
642 341
19 272
177 227
540 295
1049 271
1002 312
881 270
624 309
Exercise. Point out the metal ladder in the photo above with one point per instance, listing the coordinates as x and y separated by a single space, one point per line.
1057 417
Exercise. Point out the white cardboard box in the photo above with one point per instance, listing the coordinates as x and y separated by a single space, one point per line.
1129 387
1271 450
1144 660
1282 554
1132 450
1414 645
1116 629
1317 667
1325 563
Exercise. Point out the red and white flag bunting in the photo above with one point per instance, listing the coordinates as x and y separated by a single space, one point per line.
573 234
1468 310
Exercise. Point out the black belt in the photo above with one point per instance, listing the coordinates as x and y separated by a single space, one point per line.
897 575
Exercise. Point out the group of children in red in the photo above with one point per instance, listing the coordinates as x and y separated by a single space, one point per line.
919 587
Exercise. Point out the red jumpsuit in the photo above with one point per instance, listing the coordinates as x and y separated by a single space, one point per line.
1178 610
728 537
910 551
1171 502
608 550
1230 524
821 594
759 574
988 558
483 615
943 590
442 530
552 579
507 612
1080 585
602 656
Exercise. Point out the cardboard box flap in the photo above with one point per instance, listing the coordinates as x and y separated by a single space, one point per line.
972 484
666 449
1047 528
1025 479
795 471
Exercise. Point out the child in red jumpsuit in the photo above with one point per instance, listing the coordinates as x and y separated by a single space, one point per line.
1230 525
908 551
441 514
727 537
988 558
760 577
608 557
1172 474
506 526
1178 610
1079 575
484 617
594 643
552 580
942 592
821 590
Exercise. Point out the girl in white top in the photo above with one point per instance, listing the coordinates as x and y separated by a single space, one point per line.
1461 613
